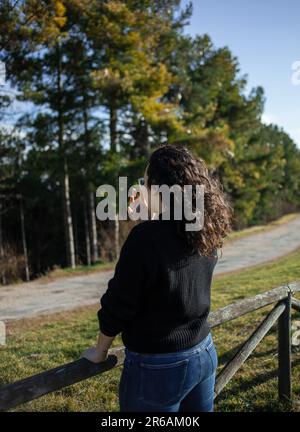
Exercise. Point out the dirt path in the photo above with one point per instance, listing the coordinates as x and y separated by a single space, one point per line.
36 298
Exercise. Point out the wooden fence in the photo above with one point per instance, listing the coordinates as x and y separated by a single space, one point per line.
36 386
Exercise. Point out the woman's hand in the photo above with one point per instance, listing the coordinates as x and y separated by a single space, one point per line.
95 355
135 201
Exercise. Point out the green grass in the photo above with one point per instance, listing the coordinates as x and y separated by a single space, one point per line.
39 344
100 265
79 270
70 272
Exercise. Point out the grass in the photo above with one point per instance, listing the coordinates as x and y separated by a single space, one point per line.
79 270
65 272
42 343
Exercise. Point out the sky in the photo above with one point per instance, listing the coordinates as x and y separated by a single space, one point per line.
265 37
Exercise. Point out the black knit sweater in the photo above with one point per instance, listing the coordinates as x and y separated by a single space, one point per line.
159 296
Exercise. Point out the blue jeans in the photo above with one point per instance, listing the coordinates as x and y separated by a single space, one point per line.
181 381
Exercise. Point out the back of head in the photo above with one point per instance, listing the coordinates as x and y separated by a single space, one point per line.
171 165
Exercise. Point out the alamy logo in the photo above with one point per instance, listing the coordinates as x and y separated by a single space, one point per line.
188 203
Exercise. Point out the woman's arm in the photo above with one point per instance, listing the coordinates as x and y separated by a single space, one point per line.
99 352
120 302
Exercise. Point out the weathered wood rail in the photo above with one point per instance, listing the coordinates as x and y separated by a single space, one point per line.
36 386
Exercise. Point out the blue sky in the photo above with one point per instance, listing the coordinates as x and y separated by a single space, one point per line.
265 37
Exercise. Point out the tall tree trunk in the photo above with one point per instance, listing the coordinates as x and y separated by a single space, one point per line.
113 125
87 235
93 225
68 222
113 147
76 240
91 220
24 240
144 132
3 278
141 139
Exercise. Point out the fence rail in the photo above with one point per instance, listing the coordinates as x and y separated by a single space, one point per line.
33 387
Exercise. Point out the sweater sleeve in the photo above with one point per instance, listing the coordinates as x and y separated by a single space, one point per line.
120 302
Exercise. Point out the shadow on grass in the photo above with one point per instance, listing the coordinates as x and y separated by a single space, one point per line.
248 384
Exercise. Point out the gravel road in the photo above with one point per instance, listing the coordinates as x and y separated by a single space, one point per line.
37 298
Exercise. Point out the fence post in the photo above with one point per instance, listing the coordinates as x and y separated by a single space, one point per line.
284 350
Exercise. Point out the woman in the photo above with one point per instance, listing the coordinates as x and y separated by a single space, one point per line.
159 296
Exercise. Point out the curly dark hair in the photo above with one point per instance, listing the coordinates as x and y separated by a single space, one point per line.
174 164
